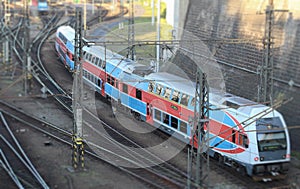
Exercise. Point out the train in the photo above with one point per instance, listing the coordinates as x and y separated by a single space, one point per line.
43 7
241 136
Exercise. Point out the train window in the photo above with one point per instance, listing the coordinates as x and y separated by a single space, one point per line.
166 118
103 64
167 93
117 84
92 78
184 99
175 96
138 94
183 127
157 115
90 58
108 79
97 61
112 81
243 140
151 86
99 83
158 89
125 88
174 122
233 136
94 60
63 38
84 52
193 102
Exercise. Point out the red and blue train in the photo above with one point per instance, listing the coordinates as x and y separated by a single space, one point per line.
241 136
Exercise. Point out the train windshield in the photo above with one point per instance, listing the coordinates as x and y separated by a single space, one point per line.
271 141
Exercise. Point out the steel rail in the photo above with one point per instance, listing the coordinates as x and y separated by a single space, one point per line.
26 160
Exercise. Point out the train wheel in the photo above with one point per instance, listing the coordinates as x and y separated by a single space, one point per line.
241 169
137 116
219 158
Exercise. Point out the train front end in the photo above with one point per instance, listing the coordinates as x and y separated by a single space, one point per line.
270 160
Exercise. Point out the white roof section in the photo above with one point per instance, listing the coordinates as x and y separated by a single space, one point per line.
175 82
68 32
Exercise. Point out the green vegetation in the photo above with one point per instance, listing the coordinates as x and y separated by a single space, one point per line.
146 4
296 154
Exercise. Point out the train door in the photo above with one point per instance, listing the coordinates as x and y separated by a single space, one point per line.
138 94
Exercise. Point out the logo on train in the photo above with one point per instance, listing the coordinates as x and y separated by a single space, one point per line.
174 107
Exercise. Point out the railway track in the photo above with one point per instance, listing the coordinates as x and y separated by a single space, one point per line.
167 172
45 80
151 176
14 160
161 176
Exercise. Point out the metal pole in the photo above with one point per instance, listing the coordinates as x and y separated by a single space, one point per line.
131 48
26 47
158 37
93 11
84 17
78 147
201 120
266 71
152 6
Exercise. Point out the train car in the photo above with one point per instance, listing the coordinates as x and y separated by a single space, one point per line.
250 137
64 46
43 7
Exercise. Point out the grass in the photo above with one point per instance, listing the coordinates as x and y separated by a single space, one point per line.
296 154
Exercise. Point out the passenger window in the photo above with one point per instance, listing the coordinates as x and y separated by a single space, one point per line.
175 96
174 122
112 81
243 140
233 136
90 57
103 64
94 60
97 61
166 118
108 79
158 89
138 94
184 99
157 115
193 102
167 93
125 88
99 82
183 127
151 86
92 78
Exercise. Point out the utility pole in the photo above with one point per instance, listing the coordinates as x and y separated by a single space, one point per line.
158 37
121 24
131 48
78 147
200 137
27 58
265 91
6 44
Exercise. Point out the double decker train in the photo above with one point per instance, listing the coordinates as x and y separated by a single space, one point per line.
250 137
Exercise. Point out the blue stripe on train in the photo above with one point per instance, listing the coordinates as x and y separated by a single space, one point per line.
222 117
223 144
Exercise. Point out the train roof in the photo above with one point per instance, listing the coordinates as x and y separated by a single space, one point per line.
244 106
68 32
175 82
120 61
